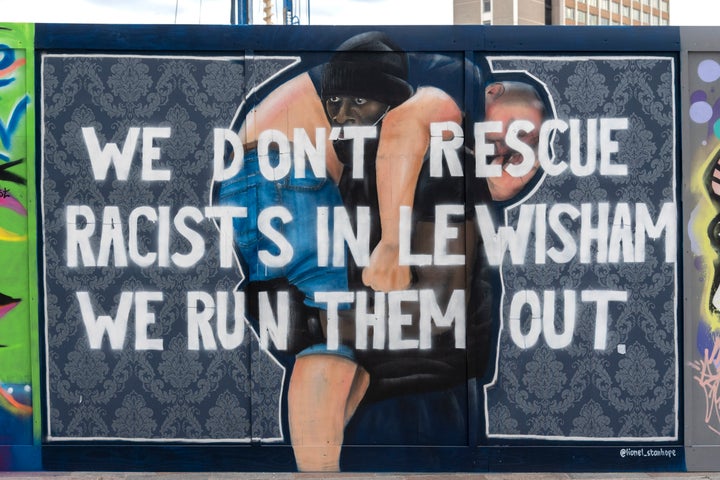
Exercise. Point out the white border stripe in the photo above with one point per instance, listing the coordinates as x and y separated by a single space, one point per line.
49 436
487 386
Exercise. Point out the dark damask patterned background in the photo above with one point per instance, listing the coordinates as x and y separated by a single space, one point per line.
629 390
577 392
174 393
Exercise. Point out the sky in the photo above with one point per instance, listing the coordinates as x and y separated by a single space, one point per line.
322 12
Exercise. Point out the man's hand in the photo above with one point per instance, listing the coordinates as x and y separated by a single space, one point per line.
384 273
404 140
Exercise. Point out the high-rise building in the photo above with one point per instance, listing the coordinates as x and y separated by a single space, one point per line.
561 12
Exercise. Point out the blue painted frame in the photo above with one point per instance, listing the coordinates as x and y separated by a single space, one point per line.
478 456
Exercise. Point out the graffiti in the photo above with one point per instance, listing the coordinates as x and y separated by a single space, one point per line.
15 378
7 304
9 202
8 130
704 228
8 65
12 404
701 111
705 240
8 176
708 377
704 233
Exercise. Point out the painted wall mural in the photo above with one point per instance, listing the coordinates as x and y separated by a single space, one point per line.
335 249
392 246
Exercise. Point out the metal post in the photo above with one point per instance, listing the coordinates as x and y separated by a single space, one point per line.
288 12
242 7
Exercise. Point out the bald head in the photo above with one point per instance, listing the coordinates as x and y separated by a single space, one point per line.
513 93
506 103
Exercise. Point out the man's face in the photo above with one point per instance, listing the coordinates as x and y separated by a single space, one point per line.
506 186
354 111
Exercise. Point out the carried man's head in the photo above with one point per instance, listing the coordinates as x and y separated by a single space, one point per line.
364 79
506 102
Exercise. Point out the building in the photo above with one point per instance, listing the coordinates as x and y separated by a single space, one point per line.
561 12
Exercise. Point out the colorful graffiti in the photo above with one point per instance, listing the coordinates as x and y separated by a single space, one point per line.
15 305
708 377
704 231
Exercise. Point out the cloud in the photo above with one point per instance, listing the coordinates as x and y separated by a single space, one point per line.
694 12
323 12
126 11
380 12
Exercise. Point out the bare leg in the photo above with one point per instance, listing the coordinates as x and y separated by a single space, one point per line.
357 392
323 394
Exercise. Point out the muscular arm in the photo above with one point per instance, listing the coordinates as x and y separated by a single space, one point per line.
294 104
404 139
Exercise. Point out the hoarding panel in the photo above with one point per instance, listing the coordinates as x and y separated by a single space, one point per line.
319 249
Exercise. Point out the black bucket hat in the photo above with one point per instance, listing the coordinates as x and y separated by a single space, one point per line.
369 65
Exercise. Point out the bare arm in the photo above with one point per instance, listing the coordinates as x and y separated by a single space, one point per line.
404 139
294 104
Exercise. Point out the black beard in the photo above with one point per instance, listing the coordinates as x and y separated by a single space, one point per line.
358 191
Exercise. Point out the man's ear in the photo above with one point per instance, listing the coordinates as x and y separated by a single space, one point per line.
494 91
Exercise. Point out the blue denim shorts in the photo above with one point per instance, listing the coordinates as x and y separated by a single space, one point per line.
301 197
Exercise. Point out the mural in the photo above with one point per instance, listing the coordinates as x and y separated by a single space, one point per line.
369 245
339 249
